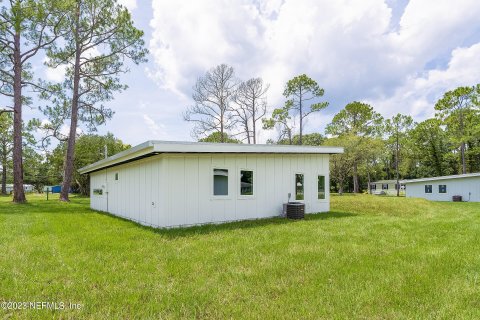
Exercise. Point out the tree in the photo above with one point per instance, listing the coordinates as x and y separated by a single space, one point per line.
6 146
282 121
310 139
251 106
455 109
398 128
213 95
26 27
356 119
215 137
89 148
100 37
300 91
431 148
341 164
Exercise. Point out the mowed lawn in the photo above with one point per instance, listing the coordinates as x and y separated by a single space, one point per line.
371 257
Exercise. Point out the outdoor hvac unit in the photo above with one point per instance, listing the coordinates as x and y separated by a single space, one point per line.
457 198
295 210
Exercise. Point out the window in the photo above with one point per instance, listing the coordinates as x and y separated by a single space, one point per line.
428 188
116 176
321 187
220 182
299 186
442 188
98 192
246 182
384 186
373 186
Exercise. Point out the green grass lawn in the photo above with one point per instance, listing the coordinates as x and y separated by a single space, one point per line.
371 257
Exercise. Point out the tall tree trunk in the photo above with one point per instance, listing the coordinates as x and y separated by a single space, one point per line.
396 166
464 162
369 181
356 188
18 192
4 170
301 118
254 132
70 154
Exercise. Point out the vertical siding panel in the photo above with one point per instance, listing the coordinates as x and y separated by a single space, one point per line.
231 203
205 185
260 187
176 180
191 187
280 195
163 192
148 191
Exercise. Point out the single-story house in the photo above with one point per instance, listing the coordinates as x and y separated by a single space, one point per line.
446 188
386 187
26 188
167 184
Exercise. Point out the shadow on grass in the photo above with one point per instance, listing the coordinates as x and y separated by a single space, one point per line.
188 231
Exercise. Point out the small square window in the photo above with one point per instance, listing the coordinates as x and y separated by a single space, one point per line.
246 182
220 182
384 186
321 187
442 188
116 176
428 188
299 187
98 192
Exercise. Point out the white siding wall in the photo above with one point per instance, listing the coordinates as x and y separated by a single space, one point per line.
177 189
459 186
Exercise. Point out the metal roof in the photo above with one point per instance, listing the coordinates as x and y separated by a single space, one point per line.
154 147
456 176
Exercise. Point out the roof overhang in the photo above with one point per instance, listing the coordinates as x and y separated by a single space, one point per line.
151 148
457 176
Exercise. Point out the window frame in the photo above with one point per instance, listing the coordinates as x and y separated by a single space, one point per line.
383 185
239 181
440 188
430 187
212 183
295 186
324 186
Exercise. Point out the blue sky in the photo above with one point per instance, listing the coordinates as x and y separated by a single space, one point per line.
399 56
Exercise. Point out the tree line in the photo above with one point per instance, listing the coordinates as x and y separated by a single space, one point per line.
227 109
92 40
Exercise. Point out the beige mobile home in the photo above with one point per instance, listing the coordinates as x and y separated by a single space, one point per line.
461 187
167 184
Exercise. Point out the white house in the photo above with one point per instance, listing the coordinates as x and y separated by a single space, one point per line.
386 187
166 184
445 188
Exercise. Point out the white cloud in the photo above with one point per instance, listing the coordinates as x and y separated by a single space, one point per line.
350 47
129 4
418 95
156 130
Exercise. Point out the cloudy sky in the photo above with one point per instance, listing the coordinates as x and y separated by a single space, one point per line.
399 56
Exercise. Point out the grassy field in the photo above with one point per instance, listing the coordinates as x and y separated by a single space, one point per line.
371 257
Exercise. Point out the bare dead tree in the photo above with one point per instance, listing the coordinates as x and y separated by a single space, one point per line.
250 106
213 95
